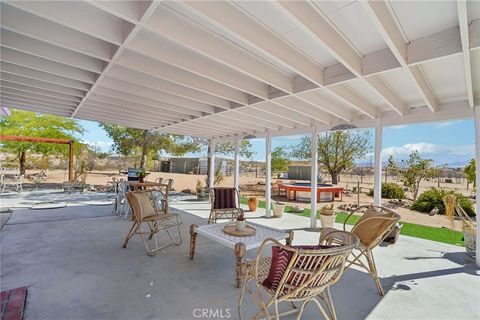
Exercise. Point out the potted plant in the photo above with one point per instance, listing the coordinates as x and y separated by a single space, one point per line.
240 223
201 190
252 204
278 208
141 174
327 216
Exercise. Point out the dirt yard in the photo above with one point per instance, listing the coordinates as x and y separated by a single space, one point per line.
255 186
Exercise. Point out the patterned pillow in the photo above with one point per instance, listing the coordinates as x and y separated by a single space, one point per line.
280 260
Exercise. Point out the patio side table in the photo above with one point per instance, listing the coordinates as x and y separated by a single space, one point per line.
239 245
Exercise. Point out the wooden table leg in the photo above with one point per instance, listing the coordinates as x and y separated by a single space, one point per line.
193 240
289 240
240 249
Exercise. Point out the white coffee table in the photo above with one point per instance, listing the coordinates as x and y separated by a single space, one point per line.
239 244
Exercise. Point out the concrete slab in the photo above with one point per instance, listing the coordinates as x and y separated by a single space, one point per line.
72 261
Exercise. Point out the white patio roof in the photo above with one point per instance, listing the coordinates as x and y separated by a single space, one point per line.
219 69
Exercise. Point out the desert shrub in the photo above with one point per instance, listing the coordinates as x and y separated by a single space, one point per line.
390 191
433 198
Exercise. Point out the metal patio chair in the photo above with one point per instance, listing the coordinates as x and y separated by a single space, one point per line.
150 208
225 204
14 181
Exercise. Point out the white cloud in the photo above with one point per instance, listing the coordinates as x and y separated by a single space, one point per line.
445 124
430 149
402 126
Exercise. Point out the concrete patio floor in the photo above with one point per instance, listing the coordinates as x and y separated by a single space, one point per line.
72 261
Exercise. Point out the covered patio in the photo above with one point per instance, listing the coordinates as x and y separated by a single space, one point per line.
72 262
228 71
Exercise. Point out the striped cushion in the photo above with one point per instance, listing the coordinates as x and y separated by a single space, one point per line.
224 198
280 260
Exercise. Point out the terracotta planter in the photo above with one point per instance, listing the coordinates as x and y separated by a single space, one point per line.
141 179
252 204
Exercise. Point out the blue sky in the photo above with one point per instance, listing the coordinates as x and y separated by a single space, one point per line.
450 142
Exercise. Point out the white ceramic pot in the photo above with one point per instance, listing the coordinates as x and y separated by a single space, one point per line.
240 225
278 209
327 221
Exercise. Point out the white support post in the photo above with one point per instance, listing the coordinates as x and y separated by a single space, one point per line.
377 185
268 172
313 177
477 197
236 163
211 178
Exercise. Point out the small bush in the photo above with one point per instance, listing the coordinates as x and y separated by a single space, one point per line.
434 198
390 191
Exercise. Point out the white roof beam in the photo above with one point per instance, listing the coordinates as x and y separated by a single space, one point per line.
306 109
26 100
262 115
133 109
41 64
247 119
33 26
86 19
165 104
176 28
278 118
274 108
381 17
225 15
128 10
44 50
312 20
200 127
122 122
139 78
47 93
161 70
113 98
149 93
354 100
231 124
36 97
222 125
13 78
36 108
463 25
155 47
312 98
123 115
131 35
43 76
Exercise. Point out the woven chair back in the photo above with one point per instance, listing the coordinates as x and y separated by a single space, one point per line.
310 271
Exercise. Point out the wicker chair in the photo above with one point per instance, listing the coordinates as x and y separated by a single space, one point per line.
306 276
151 208
372 228
225 204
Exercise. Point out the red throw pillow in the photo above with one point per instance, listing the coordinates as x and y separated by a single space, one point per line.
280 260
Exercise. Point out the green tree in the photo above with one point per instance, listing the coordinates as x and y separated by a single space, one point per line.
130 141
415 170
31 124
470 172
391 166
227 148
279 162
337 150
